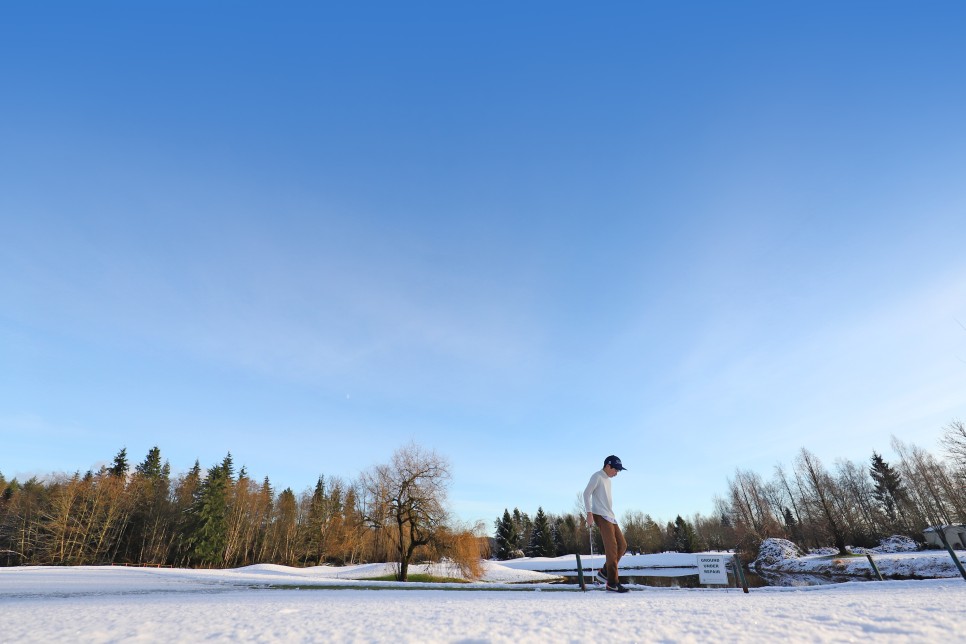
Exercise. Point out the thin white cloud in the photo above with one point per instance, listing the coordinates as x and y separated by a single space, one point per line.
284 311
874 371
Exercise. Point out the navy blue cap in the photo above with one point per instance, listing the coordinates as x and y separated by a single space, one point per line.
614 462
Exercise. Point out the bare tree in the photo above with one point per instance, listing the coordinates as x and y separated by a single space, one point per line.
242 514
752 509
285 528
822 493
856 503
927 483
954 443
59 518
406 498
798 510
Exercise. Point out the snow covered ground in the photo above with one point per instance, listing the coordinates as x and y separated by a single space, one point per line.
896 559
278 604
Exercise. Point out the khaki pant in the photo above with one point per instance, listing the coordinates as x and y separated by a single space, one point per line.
614 547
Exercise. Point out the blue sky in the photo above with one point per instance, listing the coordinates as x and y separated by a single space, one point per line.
700 236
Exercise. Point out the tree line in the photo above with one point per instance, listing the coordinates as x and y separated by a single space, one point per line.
849 504
554 535
397 512
222 518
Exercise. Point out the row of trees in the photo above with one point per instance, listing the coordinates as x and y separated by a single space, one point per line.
397 512
220 518
553 535
851 503
814 506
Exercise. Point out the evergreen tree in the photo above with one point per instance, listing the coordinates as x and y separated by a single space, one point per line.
790 522
558 543
7 488
193 478
523 526
185 495
209 519
684 538
150 467
228 467
263 545
541 542
506 537
889 490
316 524
653 538
149 530
793 528
568 535
120 466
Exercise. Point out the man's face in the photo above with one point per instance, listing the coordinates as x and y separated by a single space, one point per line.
610 471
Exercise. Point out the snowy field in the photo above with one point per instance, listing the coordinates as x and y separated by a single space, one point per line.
277 604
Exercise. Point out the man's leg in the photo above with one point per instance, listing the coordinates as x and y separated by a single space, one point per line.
621 544
609 532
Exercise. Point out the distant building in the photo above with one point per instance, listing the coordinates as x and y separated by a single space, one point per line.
955 535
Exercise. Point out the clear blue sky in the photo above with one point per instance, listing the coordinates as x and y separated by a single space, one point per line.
700 236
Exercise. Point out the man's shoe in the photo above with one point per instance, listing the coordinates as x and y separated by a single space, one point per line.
600 578
619 588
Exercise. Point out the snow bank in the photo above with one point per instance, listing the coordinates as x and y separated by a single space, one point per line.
775 551
896 558
893 559
895 543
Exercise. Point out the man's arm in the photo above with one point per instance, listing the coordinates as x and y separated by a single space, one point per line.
588 493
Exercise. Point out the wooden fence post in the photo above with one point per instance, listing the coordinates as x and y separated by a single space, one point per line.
739 573
875 568
580 574
952 553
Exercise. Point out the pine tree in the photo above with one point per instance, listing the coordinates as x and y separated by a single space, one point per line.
570 533
266 499
793 528
183 497
558 541
316 524
148 533
684 538
120 466
889 490
506 537
541 542
209 513
228 467
523 526
151 466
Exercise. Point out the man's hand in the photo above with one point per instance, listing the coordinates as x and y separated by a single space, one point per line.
590 518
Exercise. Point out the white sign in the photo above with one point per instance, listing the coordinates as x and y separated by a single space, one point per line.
713 569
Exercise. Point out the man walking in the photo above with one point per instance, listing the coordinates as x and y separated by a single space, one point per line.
600 512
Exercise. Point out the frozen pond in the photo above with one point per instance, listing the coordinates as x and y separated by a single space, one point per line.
688 578
114 604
